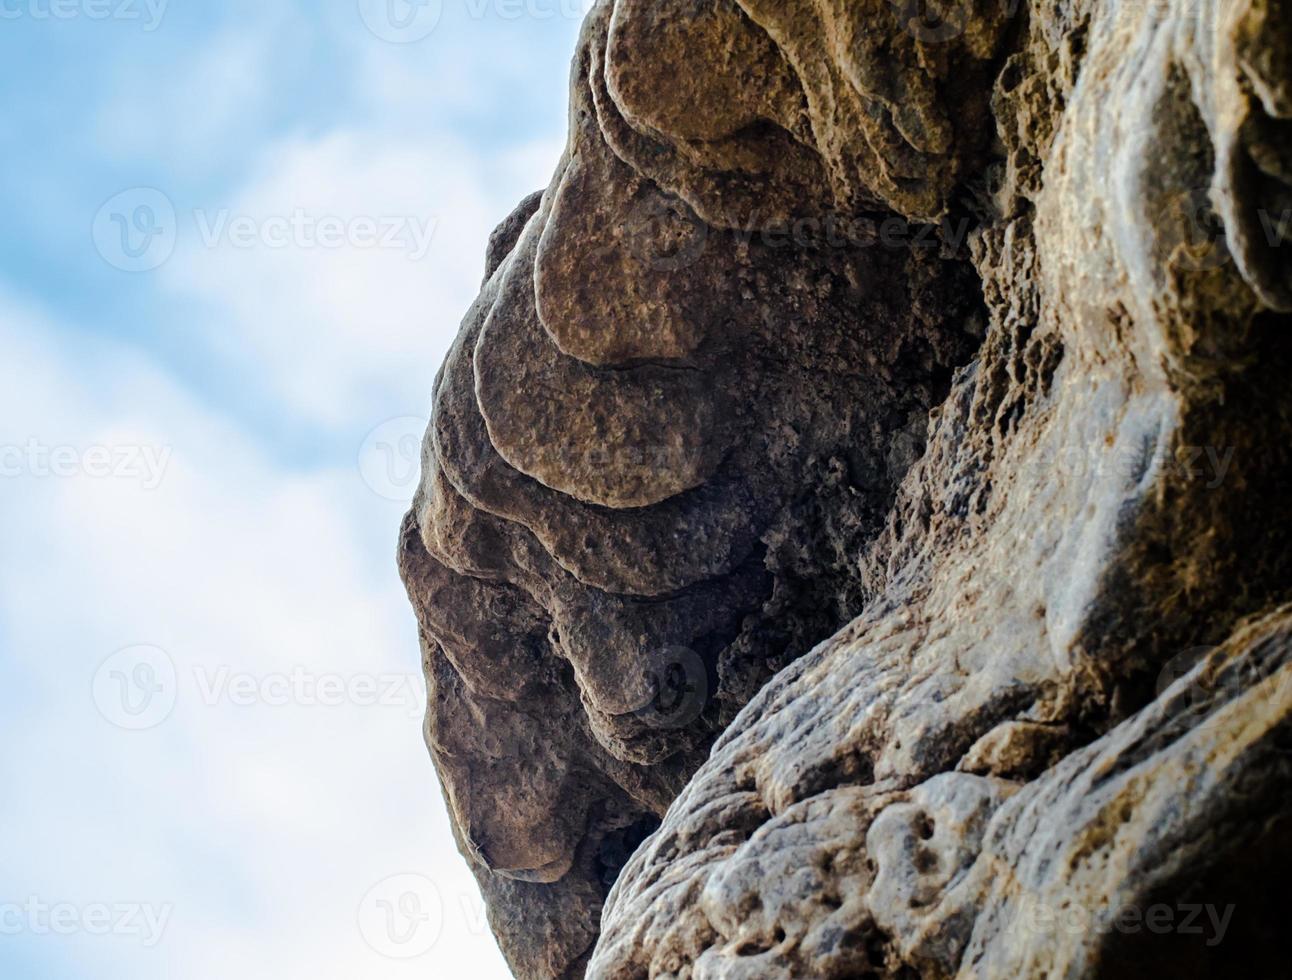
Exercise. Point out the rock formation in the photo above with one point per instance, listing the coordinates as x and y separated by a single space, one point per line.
854 518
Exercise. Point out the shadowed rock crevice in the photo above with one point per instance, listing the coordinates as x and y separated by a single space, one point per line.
856 503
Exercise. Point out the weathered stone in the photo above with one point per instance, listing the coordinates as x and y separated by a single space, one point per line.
910 518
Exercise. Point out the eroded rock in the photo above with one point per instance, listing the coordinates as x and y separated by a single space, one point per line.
841 448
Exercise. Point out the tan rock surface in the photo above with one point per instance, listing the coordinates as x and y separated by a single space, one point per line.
911 518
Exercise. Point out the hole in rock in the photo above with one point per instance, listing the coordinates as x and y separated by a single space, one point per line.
619 846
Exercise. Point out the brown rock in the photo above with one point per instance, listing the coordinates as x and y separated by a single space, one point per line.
897 525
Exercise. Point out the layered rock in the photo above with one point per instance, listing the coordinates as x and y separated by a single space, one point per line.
925 382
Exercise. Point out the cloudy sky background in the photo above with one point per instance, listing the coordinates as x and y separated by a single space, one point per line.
210 707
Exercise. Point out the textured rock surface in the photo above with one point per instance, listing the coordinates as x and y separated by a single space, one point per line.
926 382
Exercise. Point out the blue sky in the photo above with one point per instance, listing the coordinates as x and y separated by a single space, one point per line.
209 693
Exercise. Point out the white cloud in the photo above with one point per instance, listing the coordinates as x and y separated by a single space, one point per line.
443 137
263 825
346 328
